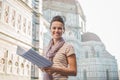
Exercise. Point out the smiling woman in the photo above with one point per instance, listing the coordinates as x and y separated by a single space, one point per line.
60 53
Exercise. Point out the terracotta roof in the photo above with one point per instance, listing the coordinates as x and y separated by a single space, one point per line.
88 36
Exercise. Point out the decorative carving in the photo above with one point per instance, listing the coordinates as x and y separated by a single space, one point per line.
29 28
2 61
24 25
19 22
2 65
10 62
5 53
27 66
0 8
22 65
6 12
13 18
17 70
26 71
9 67
16 63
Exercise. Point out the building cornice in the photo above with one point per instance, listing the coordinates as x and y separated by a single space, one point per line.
62 7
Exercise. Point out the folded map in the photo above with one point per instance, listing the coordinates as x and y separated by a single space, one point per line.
34 57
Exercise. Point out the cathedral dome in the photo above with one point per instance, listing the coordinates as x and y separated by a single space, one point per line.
88 36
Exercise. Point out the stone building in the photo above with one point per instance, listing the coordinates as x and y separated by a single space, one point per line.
119 74
96 63
15 29
21 23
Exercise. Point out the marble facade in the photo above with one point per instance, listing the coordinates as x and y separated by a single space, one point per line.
21 23
15 29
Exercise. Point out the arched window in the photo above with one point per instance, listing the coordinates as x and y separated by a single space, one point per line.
84 75
107 74
86 54
97 54
70 33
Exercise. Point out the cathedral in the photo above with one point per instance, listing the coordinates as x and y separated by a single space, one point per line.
93 61
25 23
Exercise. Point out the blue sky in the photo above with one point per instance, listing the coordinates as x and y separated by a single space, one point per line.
103 19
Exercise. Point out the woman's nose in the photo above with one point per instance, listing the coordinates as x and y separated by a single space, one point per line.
56 30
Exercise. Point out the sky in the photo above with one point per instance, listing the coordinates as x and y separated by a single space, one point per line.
103 19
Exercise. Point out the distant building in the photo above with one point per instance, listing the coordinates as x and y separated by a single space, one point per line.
119 74
95 62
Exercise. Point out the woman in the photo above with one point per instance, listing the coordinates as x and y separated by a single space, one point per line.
60 53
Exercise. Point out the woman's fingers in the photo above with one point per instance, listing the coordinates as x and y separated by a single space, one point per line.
49 70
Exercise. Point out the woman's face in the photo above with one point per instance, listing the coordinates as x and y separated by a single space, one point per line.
57 30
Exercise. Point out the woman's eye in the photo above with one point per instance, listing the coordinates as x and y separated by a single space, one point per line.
60 28
54 27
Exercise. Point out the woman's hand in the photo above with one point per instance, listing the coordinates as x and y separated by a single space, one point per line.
49 70
71 71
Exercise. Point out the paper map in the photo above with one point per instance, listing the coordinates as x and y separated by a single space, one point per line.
33 57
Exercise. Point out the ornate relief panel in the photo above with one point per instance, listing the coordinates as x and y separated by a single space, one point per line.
18 22
29 30
13 16
0 8
6 13
9 63
24 25
3 54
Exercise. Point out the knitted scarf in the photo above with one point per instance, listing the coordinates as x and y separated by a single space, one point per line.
53 48
51 52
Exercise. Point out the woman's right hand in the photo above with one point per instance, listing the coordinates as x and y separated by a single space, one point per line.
49 70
